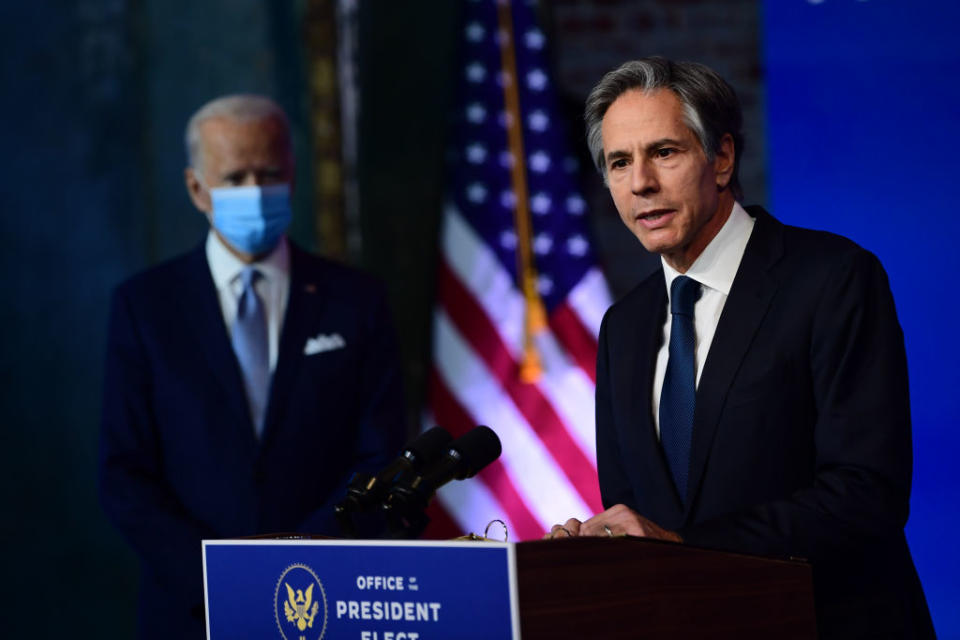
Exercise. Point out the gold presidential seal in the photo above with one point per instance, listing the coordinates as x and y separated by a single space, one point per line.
300 604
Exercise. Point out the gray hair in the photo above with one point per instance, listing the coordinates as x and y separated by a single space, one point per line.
710 105
246 107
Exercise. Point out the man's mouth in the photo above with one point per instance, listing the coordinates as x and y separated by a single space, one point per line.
654 216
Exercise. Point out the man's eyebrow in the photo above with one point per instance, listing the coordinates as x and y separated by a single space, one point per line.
663 142
615 155
653 146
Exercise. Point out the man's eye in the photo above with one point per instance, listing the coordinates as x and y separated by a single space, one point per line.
665 152
270 176
619 163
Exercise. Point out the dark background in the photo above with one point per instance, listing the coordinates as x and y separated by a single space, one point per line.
96 96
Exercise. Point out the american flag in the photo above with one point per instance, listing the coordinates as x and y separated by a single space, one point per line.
514 242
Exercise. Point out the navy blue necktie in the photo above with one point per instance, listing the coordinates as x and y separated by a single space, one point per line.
679 395
252 349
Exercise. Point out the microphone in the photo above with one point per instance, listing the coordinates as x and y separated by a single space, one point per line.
465 457
365 491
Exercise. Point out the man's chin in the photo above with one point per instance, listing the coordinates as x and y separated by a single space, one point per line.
658 241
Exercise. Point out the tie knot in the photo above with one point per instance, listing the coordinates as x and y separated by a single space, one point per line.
684 293
249 276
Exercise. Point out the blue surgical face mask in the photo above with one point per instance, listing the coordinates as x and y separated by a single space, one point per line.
251 219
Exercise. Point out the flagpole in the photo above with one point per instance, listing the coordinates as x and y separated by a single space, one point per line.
535 317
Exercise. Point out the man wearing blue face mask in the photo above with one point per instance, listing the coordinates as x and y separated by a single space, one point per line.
246 380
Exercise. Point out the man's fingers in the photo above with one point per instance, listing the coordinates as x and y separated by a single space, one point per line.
594 526
569 529
573 526
618 520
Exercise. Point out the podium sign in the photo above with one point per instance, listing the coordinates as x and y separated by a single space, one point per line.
365 590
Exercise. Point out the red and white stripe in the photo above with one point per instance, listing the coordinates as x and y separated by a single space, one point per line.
547 471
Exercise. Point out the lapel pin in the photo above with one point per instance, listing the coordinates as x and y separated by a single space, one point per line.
310 288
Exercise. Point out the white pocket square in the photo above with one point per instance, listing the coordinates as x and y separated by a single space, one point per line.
323 342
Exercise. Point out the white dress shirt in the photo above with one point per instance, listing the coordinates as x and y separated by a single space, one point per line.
273 286
715 269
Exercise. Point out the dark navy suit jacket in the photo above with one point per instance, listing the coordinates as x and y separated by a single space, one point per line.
179 458
801 439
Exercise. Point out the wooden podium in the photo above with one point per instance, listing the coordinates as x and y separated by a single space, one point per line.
635 588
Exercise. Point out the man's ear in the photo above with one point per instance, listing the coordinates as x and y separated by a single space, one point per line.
199 194
724 161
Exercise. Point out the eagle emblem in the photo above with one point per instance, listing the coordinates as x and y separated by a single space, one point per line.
300 604
298 608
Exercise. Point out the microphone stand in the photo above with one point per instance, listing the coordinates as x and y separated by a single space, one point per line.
405 509
353 502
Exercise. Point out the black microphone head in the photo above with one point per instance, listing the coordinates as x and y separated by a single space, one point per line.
478 448
427 447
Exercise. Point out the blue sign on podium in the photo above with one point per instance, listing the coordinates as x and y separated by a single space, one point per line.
360 590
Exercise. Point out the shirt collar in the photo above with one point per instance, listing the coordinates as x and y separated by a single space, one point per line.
717 266
226 267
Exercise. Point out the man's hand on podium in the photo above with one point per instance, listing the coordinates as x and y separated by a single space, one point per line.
618 520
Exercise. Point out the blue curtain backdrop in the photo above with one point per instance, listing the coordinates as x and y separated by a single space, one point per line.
864 135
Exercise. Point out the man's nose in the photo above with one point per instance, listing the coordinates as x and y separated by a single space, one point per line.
250 179
643 178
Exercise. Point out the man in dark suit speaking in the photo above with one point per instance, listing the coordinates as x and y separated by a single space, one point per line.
751 394
246 380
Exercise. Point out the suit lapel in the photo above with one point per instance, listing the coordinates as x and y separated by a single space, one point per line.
750 296
200 301
303 307
640 441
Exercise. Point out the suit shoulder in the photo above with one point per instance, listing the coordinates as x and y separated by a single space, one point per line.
338 273
827 250
337 279
158 278
648 291
810 247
